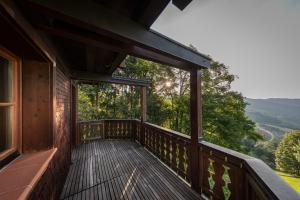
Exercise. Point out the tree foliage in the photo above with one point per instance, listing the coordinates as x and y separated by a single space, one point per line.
168 102
287 154
224 119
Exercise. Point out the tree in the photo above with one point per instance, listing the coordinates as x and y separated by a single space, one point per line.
168 102
224 119
287 153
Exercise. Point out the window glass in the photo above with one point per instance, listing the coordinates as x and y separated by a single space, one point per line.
6 80
6 114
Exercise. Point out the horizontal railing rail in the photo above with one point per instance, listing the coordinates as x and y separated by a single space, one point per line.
223 173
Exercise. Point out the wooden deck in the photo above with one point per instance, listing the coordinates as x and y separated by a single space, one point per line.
121 169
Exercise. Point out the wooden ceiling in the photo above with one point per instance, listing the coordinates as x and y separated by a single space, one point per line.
124 29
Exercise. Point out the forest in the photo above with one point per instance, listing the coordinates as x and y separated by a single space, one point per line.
224 120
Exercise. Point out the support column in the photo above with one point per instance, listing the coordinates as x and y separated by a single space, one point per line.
196 126
143 112
74 110
143 104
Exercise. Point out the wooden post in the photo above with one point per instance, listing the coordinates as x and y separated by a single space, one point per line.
143 112
143 104
196 126
74 110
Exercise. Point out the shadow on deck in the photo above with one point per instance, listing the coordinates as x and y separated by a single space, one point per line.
121 169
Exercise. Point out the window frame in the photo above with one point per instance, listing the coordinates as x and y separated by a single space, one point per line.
15 104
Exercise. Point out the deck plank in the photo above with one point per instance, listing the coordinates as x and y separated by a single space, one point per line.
121 169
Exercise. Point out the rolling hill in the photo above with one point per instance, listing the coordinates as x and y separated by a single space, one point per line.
275 115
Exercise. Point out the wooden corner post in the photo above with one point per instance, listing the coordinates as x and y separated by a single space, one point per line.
196 126
143 112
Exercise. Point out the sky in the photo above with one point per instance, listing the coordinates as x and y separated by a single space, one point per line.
259 40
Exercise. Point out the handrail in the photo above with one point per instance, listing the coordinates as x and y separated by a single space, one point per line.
168 130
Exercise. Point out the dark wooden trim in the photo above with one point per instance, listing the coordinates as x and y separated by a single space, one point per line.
143 104
181 4
178 134
152 11
74 111
196 125
8 159
117 62
36 39
15 103
31 35
101 20
143 113
112 45
87 77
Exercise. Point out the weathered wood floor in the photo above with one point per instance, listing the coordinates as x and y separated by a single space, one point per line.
121 169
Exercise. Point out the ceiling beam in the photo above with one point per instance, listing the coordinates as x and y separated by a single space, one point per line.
181 4
99 41
88 77
147 16
94 17
116 63
90 58
112 45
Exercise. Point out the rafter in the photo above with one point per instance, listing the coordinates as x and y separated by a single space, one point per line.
87 77
100 20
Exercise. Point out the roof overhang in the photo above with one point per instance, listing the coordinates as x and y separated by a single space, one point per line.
94 25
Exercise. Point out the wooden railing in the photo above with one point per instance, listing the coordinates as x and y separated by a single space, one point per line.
223 173
227 174
105 129
171 147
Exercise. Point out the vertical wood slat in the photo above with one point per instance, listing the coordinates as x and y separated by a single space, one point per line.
107 129
181 158
171 148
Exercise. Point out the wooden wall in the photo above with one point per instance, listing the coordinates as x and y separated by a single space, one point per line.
37 101
46 98
62 138
51 183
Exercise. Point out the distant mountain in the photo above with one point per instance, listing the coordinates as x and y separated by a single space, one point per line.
280 113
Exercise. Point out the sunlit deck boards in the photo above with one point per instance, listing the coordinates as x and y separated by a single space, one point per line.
121 169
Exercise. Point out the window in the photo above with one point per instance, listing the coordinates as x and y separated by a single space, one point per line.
8 104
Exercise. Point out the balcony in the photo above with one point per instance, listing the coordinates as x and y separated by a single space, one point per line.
121 169
127 159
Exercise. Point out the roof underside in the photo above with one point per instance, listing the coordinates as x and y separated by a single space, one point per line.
95 36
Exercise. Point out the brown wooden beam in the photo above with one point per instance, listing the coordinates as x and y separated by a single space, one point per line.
112 45
143 113
152 11
87 77
90 58
96 18
91 40
117 62
143 104
196 126
181 4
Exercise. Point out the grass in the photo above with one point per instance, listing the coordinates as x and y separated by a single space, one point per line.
294 182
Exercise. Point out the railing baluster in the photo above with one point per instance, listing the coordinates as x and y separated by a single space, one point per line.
172 148
168 149
181 158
